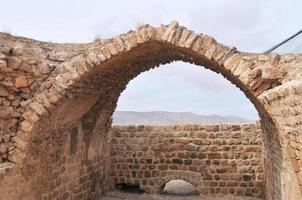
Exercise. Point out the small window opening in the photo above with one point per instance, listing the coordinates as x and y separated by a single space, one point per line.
135 189
73 140
179 187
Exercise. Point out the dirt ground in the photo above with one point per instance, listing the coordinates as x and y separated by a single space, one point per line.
117 195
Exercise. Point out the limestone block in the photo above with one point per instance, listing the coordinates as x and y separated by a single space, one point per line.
197 45
169 32
106 52
264 57
18 50
63 81
3 92
14 62
43 99
20 143
220 52
101 56
81 65
112 48
31 116
130 40
119 43
184 36
158 32
23 81
7 83
38 108
26 126
43 67
53 95
16 157
210 51
269 73
207 41
230 52
5 50
3 64
60 56
241 67
73 72
232 62
7 138
190 40
146 33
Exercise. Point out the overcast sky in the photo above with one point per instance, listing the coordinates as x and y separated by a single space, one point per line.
250 25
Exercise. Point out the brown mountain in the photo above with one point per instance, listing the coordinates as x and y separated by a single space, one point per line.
166 118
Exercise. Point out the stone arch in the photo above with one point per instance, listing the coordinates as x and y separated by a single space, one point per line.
93 80
190 177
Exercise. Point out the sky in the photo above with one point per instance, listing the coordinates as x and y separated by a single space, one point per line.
249 25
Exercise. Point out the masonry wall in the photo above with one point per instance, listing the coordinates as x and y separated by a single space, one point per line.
290 176
72 160
216 159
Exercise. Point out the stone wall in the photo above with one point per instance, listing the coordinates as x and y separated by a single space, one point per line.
72 160
216 159
25 66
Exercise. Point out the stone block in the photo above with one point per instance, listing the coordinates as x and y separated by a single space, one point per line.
38 108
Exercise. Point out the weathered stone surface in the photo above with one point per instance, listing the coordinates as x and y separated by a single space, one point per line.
3 91
44 67
5 50
14 62
59 56
7 83
175 154
4 112
184 36
23 81
270 74
26 126
38 108
170 31
3 63
31 116
18 50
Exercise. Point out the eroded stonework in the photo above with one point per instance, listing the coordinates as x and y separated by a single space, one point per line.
47 88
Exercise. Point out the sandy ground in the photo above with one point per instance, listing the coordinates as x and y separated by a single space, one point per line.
117 195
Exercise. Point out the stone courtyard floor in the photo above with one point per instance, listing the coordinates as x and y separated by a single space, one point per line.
117 195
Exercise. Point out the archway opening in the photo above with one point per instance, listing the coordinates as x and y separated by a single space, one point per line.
179 188
220 156
182 93
96 94
129 188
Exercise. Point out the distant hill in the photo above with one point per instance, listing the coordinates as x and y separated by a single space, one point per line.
166 118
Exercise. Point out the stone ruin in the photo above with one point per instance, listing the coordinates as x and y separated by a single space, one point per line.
57 101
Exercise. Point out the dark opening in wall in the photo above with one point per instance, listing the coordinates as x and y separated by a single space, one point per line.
73 140
129 188
179 187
